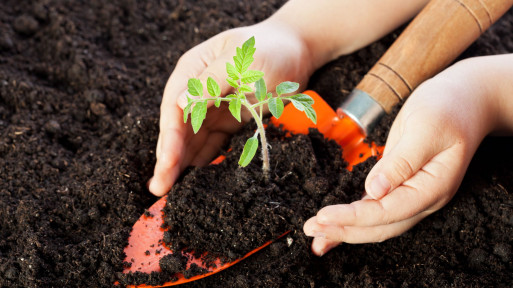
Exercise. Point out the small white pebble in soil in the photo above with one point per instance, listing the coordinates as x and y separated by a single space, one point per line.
289 241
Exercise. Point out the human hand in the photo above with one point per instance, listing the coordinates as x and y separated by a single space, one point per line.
428 150
280 54
299 38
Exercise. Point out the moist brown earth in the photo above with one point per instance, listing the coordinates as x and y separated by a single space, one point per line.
80 89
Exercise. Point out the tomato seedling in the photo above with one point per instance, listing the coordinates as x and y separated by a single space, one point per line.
240 78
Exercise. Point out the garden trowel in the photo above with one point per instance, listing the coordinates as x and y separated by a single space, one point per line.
441 32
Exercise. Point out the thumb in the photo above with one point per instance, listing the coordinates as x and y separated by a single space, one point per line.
217 71
409 154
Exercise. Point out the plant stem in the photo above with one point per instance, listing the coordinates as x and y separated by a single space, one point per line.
266 167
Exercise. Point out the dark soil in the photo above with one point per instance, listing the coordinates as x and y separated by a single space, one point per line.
80 89
231 210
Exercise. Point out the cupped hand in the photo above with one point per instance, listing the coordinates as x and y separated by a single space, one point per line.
280 53
428 150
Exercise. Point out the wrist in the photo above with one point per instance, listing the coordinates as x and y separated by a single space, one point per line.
314 56
313 24
470 97
491 77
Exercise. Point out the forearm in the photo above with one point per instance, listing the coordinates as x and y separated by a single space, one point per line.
499 86
332 28
491 77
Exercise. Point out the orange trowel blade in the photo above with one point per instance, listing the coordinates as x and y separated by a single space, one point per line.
145 247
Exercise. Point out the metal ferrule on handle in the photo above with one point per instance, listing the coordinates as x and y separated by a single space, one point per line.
363 109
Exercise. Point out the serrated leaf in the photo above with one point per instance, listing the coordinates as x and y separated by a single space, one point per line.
234 108
244 55
217 103
276 106
249 151
237 60
232 82
199 112
231 96
246 62
310 113
232 72
248 45
303 98
260 90
286 87
300 101
245 88
187 111
195 87
251 76
299 106
213 88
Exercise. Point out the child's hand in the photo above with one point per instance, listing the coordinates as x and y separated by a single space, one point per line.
280 55
427 153
302 36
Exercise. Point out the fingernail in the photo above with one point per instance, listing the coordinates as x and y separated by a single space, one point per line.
379 186
317 250
182 101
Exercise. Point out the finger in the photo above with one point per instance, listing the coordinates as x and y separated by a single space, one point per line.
416 195
403 160
215 69
167 168
321 246
174 134
430 188
209 140
359 235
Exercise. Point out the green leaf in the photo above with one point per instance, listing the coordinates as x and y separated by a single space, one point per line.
245 88
195 87
300 101
199 112
249 151
286 87
237 60
251 76
246 63
299 106
213 88
187 111
232 72
234 108
217 103
269 95
232 82
260 90
303 102
244 55
310 113
276 106
303 98
248 45
231 96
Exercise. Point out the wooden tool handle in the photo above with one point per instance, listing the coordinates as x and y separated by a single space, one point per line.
441 32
